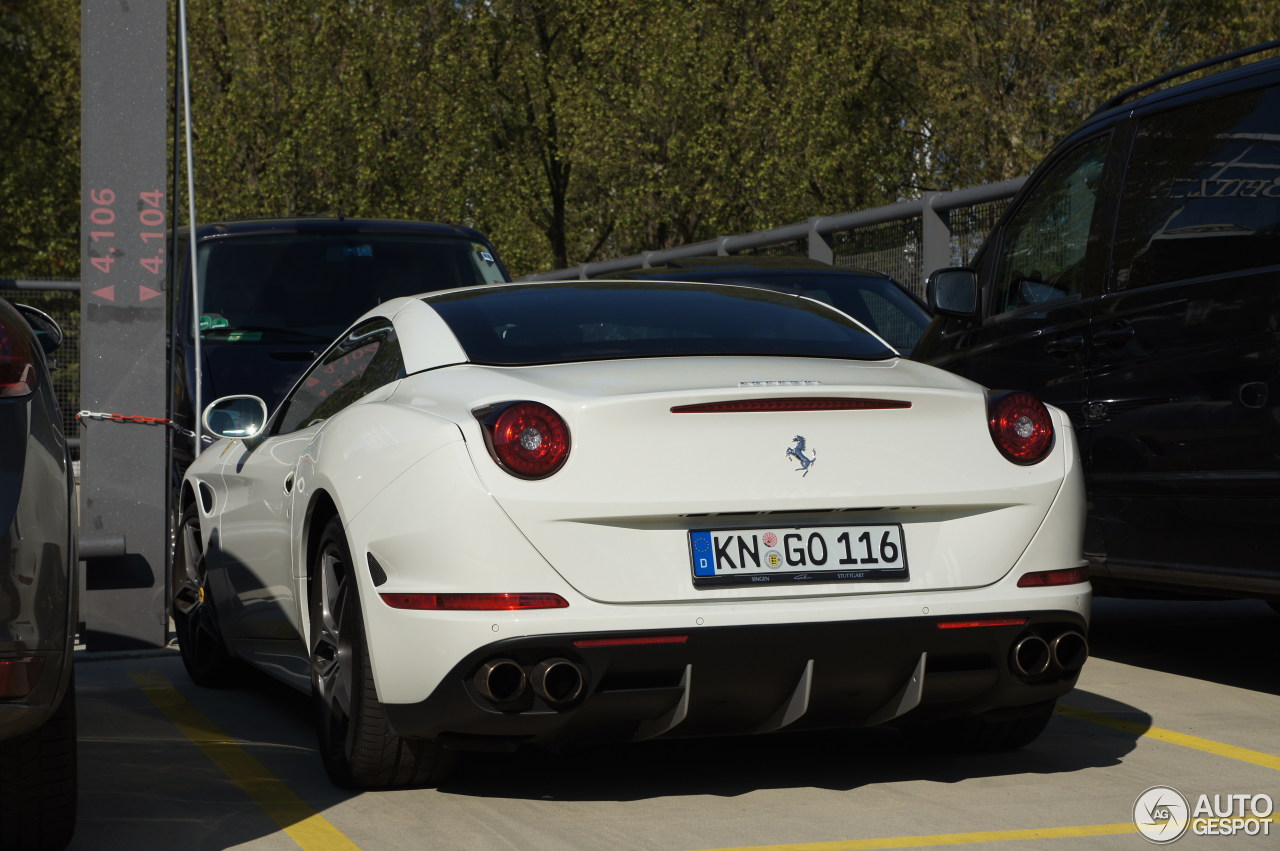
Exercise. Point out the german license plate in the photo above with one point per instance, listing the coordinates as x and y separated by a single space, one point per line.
861 553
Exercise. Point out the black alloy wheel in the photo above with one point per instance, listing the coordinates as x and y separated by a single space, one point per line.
357 745
204 653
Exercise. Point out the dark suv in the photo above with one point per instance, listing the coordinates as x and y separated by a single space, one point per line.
1135 282
39 581
275 292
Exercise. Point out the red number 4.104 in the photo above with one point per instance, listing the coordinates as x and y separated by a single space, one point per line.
151 214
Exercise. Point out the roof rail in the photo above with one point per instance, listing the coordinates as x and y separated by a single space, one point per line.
1183 71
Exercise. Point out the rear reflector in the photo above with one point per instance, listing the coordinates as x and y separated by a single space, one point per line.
474 602
630 640
981 623
751 406
18 676
1066 576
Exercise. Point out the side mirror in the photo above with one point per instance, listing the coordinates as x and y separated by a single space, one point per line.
953 292
235 416
46 328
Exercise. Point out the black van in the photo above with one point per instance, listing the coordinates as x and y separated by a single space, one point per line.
273 293
1135 282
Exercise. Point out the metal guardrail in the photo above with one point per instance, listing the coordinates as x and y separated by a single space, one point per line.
929 237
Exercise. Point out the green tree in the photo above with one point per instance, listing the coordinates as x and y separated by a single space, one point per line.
40 131
578 131
992 85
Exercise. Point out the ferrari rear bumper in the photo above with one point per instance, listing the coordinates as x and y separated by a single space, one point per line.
739 680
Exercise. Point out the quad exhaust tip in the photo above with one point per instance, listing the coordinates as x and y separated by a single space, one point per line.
557 681
1069 651
501 681
504 683
1066 652
1031 656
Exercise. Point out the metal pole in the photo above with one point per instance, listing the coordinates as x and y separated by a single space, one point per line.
197 425
821 247
935 236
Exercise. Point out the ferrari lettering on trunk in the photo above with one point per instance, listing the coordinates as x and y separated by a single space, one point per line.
820 554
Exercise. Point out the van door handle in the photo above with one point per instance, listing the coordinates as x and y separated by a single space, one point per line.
1118 334
1064 345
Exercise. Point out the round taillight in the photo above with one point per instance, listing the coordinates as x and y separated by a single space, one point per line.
1020 426
529 439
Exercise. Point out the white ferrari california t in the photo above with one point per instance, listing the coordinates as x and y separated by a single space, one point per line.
603 511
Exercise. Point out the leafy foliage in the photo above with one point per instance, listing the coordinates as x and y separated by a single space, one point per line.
40 134
577 131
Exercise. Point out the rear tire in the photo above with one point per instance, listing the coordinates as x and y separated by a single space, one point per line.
998 730
204 653
357 744
38 782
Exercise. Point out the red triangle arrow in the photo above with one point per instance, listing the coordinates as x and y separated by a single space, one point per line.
108 293
145 293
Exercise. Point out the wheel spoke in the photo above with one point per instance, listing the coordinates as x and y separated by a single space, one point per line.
331 658
187 596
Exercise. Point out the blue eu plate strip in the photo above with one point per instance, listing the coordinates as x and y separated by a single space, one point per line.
703 554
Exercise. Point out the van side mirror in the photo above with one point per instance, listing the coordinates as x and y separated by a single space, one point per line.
953 292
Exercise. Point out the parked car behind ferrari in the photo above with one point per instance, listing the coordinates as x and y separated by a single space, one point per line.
873 298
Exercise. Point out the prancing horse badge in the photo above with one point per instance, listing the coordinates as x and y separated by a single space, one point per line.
797 452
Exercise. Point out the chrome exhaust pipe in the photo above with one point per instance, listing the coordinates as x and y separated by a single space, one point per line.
500 681
1069 651
1031 656
557 681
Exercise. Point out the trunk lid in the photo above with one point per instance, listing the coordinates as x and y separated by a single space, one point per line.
615 521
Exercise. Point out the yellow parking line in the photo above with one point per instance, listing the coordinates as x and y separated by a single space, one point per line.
949 839
293 815
1240 754
1261 758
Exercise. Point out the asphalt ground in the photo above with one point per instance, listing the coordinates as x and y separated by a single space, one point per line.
1182 695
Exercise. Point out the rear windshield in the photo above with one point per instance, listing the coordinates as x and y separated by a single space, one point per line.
558 323
876 302
309 287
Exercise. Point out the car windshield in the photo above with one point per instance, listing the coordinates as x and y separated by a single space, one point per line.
876 302
308 287
538 324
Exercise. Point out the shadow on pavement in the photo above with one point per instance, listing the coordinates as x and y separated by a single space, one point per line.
837 761
140 760
1224 642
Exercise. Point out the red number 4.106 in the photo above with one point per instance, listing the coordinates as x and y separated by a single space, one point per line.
101 215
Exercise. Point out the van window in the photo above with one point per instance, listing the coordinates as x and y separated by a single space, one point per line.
1043 250
300 287
1202 193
